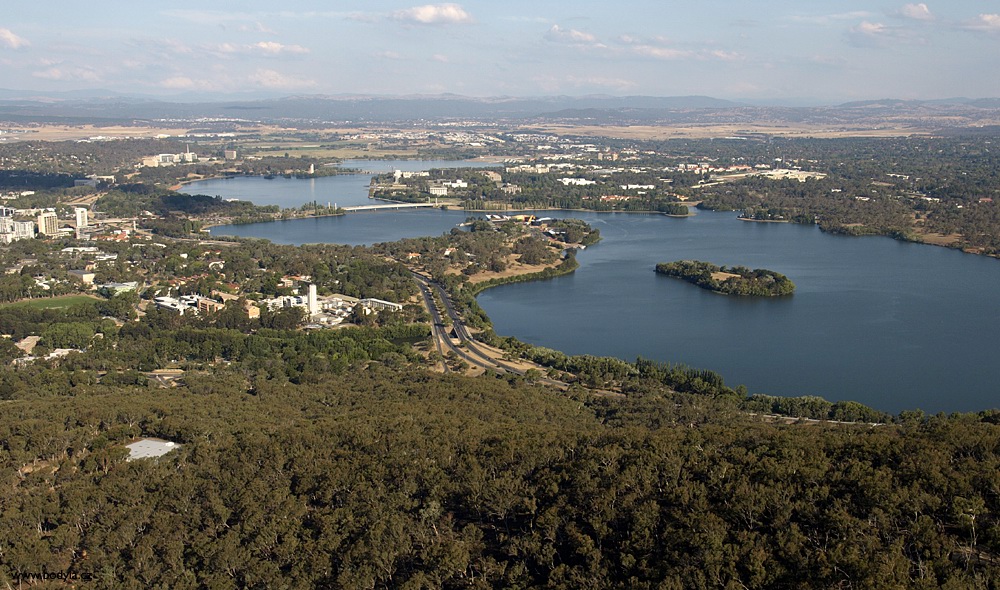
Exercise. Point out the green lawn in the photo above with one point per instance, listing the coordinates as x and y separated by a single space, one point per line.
54 302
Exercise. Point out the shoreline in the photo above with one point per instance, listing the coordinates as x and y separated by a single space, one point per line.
450 207
764 220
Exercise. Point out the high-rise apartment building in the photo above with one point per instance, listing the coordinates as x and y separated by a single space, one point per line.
81 217
48 223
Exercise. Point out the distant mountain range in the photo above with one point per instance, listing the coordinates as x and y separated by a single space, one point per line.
109 107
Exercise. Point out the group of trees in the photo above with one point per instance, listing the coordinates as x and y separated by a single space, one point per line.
736 280
395 479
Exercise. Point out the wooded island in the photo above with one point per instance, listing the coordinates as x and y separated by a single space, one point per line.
736 280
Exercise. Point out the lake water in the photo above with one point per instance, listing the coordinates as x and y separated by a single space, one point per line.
890 324
345 190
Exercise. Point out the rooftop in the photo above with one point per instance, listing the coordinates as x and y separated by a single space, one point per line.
150 448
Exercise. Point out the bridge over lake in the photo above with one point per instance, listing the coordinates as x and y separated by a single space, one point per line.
387 206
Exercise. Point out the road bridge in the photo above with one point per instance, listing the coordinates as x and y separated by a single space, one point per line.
387 206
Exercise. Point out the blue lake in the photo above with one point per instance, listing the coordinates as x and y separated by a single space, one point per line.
890 324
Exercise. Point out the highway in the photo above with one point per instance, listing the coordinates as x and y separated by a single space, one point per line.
470 351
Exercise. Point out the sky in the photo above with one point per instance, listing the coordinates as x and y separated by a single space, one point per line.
824 51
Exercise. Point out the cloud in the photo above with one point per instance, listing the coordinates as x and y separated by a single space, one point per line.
255 27
434 14
440 58
868 29
68 74
557 33
388 55
9 39
989 23
916 12
278 81
274 48
663 49
664 53
265 48
831 18
722 55
557 84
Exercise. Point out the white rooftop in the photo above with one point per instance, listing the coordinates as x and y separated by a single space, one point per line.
150 448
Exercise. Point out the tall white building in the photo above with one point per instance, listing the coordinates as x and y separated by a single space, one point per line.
48 223
81 217
313 301
24 230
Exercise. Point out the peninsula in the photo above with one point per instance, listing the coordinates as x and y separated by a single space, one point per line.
736 280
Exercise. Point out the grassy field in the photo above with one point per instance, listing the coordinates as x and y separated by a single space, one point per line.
346 152
54 302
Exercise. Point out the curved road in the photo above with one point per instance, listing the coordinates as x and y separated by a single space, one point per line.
472 353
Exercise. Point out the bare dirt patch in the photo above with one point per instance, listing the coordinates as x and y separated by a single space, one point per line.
513 270
940 239
722 276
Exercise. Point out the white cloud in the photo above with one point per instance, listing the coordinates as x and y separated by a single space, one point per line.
830 18
868 34
662 49
989 23
558 84
266 48
722 55
256 27
557 33
869 29
440 58
434 14
68 74
388 55
665 53
916 12
274 48
278 81
9 39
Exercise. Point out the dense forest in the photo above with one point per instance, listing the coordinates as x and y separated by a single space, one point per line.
735 280
381 478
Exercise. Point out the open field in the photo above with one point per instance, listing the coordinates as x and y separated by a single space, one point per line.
723 276
54 302
660 132
937 239
346 152
77 132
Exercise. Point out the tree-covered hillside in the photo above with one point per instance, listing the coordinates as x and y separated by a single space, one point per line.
385 479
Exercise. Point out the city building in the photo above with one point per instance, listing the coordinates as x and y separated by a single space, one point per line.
380 305
206 305
24 230
81 217
312 303
48 223
172 304
84 276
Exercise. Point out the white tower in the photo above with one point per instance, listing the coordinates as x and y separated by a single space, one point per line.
312 301
81 217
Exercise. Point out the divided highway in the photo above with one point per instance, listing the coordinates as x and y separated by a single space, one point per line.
470 351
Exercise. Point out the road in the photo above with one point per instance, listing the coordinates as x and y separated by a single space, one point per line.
470 351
